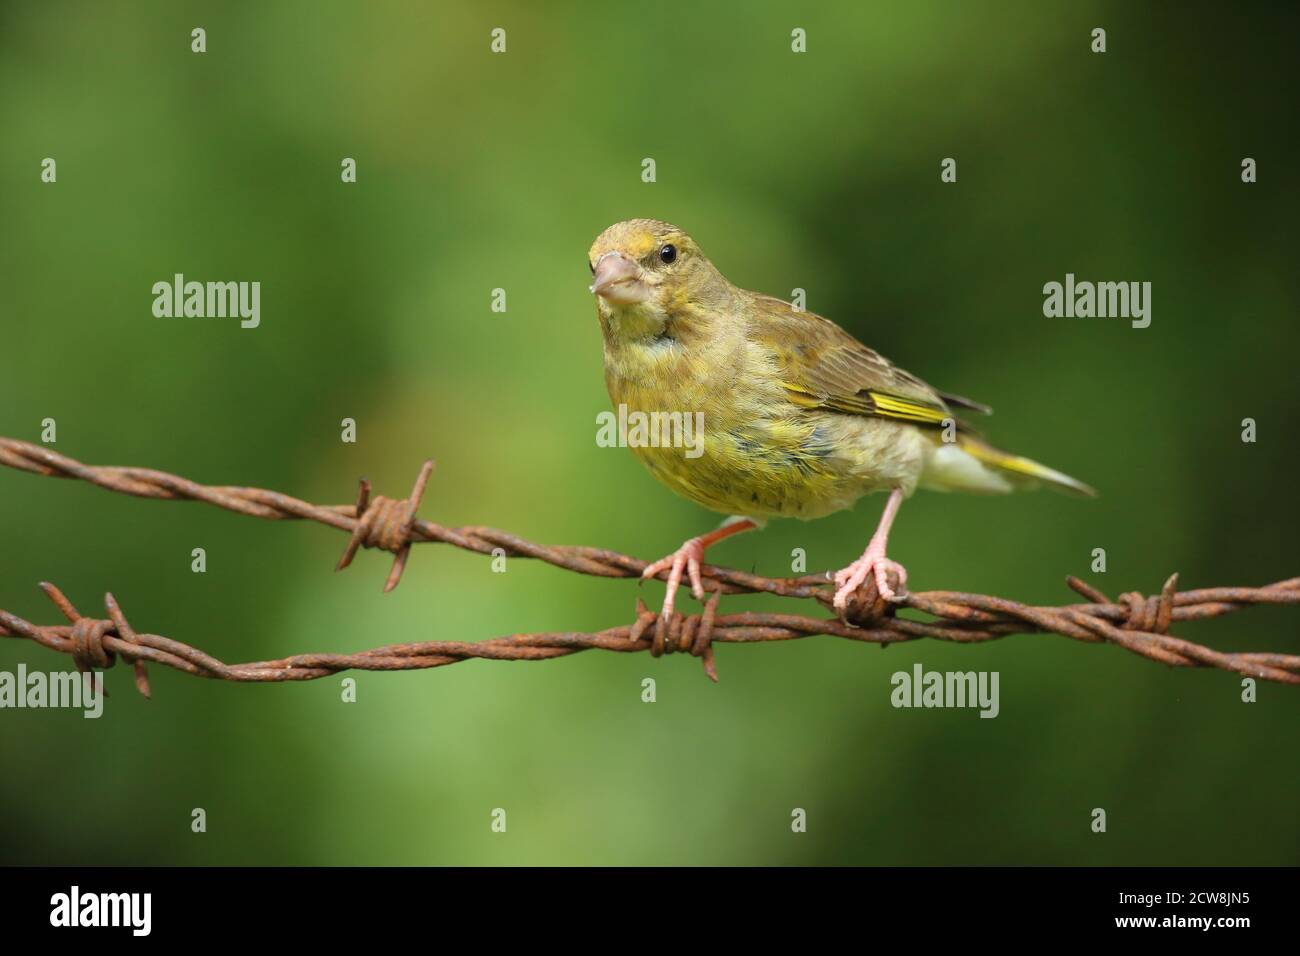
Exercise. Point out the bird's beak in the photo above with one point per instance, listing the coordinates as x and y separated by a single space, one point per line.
618 280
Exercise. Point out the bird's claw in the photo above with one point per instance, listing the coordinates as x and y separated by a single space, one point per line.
686 558
873 562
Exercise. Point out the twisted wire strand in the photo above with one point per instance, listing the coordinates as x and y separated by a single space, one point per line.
275 506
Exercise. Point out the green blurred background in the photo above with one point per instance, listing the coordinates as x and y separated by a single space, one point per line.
477 171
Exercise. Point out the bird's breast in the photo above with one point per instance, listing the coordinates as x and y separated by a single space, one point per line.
747 449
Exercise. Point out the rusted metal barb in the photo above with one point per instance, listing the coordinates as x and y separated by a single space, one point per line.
386 523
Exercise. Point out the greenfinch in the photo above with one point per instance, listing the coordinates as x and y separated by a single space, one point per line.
799 418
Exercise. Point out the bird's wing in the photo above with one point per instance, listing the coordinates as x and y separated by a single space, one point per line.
961 402
822 366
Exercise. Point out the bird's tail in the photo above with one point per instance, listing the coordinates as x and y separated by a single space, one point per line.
1023 471
970 464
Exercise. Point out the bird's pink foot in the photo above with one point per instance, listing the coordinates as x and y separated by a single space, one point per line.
873 562
686 558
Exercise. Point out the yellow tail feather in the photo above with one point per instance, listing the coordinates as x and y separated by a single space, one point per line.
1015 465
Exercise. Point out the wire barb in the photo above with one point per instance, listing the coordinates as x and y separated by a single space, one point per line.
386 523
1135 622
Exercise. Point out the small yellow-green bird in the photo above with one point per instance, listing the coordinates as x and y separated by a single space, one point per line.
799 418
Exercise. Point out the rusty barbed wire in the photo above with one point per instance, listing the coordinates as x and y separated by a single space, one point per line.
961 618
388 524
1135 622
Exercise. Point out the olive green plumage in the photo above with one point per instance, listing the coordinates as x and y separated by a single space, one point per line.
800 419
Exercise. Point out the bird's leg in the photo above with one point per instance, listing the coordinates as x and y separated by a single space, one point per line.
688 558
873 561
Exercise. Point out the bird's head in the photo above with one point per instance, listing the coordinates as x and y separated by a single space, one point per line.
647 274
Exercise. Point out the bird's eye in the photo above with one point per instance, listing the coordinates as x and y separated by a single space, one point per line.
667 253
